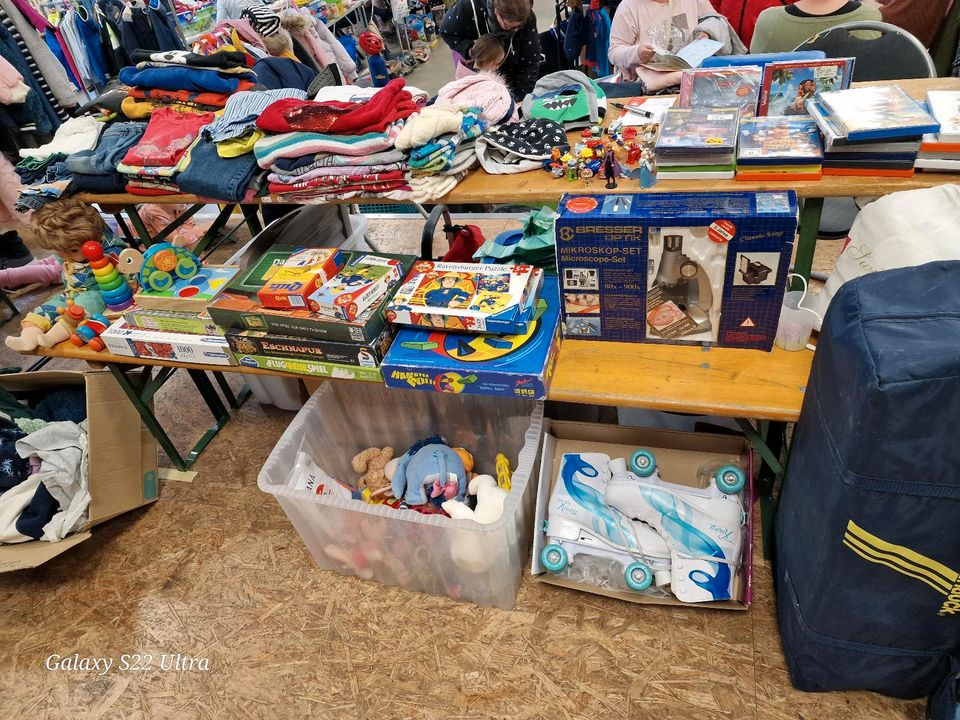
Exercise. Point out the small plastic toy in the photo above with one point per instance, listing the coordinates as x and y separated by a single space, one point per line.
611 168
573 171
159 266
88 333
114 290
504 474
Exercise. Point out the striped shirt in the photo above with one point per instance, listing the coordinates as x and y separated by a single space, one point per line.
242 109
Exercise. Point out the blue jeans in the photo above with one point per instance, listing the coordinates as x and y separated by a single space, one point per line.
211 176
112 146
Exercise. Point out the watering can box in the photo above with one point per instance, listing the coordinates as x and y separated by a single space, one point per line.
678 455
681 268
121 457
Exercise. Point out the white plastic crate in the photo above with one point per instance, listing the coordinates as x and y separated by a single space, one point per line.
434 554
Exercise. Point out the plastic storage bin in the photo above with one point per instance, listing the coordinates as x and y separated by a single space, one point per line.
458 558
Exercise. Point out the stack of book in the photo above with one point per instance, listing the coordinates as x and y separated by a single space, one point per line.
870 131
722 87
940 151
787 85
698 143
779 148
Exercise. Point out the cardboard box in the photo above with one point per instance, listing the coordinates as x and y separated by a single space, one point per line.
170 321
311 367
508 365
254 342
181 347
362 282
679 268
298 276
468 296
239 308
679 455
122 457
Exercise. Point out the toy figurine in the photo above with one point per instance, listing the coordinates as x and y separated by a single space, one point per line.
431 462
611 168
633 154
88 333
572 169
159 265
648 175
63 226
372 46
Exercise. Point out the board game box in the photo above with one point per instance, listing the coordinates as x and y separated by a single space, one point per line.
467 296
360 283
518 365
172 321
191 295
289 284
311 367
789 84
737 87
779 141
254 342
238 307
180 347
687 268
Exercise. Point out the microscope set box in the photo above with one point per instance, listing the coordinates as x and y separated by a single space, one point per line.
518 365
684 268
468 296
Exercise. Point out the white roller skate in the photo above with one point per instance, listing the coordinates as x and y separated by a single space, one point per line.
701 526
579 522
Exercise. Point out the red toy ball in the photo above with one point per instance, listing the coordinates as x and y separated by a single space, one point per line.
92 250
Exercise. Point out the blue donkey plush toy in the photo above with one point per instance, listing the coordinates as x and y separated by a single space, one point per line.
428 462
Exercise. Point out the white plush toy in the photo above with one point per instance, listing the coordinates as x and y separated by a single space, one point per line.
490 499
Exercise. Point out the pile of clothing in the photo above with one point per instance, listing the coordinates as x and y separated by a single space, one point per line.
331 148
441 141
184 80
43 170
43 467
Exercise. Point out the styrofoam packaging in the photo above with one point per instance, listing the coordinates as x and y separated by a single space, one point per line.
430 553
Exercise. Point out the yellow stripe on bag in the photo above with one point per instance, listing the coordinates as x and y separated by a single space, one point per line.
849 541
904 555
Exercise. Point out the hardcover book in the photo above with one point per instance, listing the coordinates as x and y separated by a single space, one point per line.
722 87
788 85
779 141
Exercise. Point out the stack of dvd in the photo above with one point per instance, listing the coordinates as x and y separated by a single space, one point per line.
697 143
779 148
940 151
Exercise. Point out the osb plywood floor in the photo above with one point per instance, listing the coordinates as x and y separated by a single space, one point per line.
213 570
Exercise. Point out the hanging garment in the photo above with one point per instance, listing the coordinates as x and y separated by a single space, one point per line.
598 41
38 109
74 44
89 31
12 88
148 29
47 71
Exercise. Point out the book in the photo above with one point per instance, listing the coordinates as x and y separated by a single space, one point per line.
877 112
787 85
779 141
689 56
938 164
191 295
737 87
698 131
944 105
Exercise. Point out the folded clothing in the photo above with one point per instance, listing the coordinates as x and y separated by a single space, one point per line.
424 189
167 137
73 135
335 172
306 163
437 155
344 192
31 170
275 73
390 104
242 110
429 123
152 188
113 144
211 176
485 90
518 148
296 144
184 78
181 58
143 109
335 181
185 97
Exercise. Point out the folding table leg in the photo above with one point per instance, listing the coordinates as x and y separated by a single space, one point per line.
807 241
234 401
220 413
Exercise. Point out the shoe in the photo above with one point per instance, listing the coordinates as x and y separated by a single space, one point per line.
13 253
579 522
702 527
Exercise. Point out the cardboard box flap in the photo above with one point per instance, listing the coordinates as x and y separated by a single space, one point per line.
33 554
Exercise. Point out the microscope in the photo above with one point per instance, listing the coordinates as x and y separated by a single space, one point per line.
685 282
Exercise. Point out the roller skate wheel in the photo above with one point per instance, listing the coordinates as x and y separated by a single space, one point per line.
638 576
554 557
730 479
643 463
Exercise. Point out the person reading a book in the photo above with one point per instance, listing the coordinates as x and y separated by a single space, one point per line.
782 29
644 30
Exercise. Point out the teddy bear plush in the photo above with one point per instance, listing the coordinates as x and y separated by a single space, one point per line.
370 464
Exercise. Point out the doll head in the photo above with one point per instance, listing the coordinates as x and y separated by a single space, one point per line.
487 53
63 226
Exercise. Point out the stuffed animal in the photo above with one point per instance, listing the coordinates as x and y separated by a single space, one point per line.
430 462
372 46
490 499
370 464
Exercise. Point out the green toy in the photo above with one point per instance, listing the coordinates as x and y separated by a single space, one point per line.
159 266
